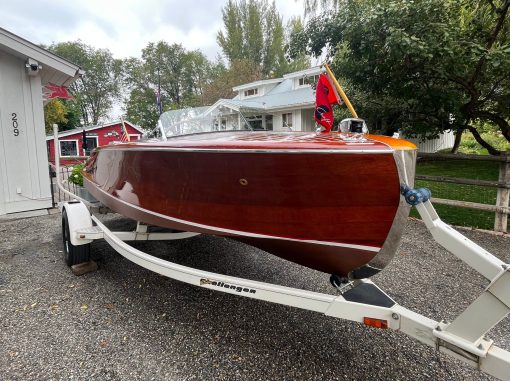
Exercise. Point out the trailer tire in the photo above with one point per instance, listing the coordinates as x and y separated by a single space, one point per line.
73 255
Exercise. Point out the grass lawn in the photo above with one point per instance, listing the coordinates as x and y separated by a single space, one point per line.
481 170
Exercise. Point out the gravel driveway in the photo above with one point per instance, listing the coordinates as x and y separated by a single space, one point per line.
126 323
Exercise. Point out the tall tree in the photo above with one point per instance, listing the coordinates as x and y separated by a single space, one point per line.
253 30
73 114
317 6
64 113
98 88
422 67
141 108
300 60
181 75
240 71
232 39
54 113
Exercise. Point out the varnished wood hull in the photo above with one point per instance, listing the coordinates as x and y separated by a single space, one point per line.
329 211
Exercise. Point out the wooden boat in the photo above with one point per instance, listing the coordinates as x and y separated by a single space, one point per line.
324 202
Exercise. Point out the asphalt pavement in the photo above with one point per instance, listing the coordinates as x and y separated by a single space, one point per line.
126 323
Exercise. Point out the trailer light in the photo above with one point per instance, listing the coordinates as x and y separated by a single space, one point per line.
376 323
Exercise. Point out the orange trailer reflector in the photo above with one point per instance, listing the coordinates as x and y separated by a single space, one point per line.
376 323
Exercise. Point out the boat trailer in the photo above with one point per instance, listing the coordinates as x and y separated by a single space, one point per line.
463 338
360 301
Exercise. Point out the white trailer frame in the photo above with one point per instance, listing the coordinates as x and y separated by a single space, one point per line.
463 338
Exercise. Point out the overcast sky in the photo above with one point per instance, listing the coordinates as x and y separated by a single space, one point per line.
124 27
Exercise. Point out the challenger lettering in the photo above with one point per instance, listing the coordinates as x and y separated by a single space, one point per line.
215 283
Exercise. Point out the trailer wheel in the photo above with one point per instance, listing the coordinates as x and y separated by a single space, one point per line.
73 255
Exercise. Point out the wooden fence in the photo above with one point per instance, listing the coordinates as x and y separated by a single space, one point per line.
501 208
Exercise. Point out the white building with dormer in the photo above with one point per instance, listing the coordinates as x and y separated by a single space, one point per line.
279 104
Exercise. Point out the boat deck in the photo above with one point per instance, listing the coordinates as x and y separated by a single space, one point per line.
255 140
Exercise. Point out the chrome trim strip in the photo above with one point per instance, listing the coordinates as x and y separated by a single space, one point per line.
236 232
236 150
405 161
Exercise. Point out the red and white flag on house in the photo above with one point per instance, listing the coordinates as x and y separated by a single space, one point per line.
51 91
325 97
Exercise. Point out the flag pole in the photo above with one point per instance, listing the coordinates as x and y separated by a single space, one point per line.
124 129
160 105
340 91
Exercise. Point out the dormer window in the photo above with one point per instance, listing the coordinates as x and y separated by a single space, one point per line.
308 80
251 92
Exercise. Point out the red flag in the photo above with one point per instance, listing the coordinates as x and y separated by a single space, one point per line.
325 96
55 91
333 96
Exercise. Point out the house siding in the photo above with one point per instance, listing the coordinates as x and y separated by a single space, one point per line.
25 181
445 141
307 121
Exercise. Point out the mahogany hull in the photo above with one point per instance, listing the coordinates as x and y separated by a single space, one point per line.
329 211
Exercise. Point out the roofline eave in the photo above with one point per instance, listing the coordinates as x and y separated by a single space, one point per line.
26 49
72 132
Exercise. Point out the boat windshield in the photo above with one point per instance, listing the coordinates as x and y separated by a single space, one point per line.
210 119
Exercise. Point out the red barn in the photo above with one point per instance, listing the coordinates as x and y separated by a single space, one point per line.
71 142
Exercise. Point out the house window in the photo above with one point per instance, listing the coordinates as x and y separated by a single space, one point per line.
68 148
309 80
91 144
287 120
251 92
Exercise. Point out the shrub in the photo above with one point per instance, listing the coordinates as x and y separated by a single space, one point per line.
76 177
470 146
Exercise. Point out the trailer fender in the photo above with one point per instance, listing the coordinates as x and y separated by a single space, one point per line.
78 217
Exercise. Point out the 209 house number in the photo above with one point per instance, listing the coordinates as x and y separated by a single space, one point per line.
15 129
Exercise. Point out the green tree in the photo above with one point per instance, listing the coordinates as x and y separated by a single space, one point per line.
300 60
180 74
316 6
54 113
65 113
240 71
253 30
422 67
141 108
73 114
197 74
99 87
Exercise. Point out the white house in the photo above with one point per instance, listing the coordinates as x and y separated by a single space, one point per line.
279 104
25 69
